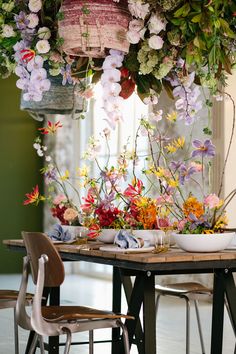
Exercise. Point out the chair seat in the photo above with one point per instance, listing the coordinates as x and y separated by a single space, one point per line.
12 295
183 288
60 313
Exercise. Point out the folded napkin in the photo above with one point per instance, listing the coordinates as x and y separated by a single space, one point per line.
58 234
124 239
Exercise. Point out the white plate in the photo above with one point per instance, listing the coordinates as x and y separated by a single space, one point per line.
126 250
58 242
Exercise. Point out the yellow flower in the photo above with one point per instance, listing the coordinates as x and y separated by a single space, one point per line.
171 148
65 176
179 143
193 206
173 183
160 172
83 171
172 117
221 222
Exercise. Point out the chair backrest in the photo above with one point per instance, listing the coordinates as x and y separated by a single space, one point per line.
37 244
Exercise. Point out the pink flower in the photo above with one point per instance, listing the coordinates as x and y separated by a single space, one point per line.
181 224
60 199
213 201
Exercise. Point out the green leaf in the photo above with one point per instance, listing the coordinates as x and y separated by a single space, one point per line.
182 11
226 28
197 18
143 84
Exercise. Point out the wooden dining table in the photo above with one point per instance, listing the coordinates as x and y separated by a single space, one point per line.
140 289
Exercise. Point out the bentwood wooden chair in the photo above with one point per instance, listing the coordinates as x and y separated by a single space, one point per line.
8 299
47 270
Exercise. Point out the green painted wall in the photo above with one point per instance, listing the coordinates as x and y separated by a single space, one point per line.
19 172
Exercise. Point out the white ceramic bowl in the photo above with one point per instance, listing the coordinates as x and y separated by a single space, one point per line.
107 235
203 242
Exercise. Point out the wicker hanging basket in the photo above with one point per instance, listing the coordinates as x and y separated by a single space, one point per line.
90 27
58 100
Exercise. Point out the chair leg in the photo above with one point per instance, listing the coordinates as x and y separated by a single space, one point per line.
199 326
125 336
68 340
41 344
187 323
157 303
91 342
34 344
16 334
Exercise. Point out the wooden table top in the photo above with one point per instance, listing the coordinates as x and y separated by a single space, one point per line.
173 255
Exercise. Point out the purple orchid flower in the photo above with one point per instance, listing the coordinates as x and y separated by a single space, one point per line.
186 173
66 73
203 149
21 20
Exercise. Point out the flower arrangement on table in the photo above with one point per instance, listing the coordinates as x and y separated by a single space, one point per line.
167 188
170 41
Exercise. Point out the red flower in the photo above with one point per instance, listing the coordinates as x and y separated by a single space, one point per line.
124 73
134 191
94 231
51 128
27 54
58 212
33 197
127 88
106 216
89 201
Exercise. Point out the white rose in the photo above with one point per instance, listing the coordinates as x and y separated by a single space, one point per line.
155 42
7 31
43 46
156 24
33 20
35 5
44 33
133 37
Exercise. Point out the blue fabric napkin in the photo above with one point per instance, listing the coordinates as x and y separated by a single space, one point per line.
125 239
58 234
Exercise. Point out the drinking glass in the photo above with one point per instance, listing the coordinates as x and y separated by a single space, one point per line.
81 236
162 242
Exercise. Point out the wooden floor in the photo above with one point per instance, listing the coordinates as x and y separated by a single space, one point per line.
97 293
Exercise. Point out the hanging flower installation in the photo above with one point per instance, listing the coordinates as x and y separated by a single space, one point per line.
164 44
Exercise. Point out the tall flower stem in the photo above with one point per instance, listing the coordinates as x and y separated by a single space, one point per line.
230 144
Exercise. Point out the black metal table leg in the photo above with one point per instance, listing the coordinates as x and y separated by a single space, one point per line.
217 313
134 306
149 314
128 287
230 292
54 300
116 307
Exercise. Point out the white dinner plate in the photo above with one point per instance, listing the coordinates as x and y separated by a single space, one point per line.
126 250
67 242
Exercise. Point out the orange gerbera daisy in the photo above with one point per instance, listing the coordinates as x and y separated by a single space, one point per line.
193 206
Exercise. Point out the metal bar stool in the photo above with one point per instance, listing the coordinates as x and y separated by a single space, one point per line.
8 299
187 291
